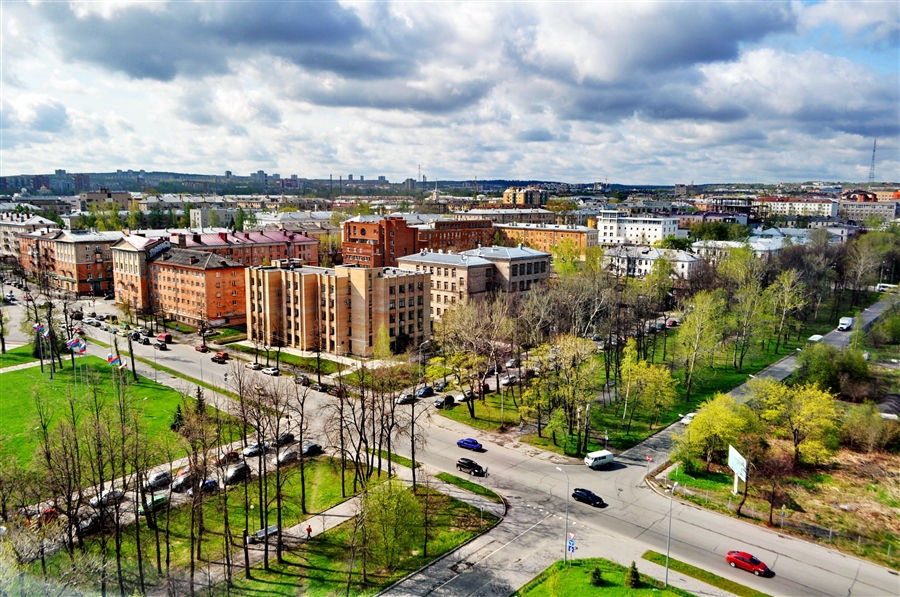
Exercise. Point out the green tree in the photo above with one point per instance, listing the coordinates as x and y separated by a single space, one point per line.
632 577
239 218
699 332
214 219
672 242
565 257
786 296
135 217
382 348
864 428
716 425
393 519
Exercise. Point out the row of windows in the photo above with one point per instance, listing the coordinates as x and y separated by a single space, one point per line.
392 303
525 269
437 285
410 286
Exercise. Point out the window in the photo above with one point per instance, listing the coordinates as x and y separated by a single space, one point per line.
515 270
402 303
392 304
391 290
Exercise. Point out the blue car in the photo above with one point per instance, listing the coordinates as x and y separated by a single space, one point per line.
469 444
425 392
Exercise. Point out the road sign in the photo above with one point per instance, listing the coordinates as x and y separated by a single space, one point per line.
571 546
572 536
649 458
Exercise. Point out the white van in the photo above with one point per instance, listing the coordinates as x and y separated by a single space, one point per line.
845 323
885 287
599 459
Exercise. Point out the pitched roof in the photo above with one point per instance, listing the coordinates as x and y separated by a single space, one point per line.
195 259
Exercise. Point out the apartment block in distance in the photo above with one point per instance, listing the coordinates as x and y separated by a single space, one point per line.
545 237
377 241
252 248
13 225
337 310
196 286
531 196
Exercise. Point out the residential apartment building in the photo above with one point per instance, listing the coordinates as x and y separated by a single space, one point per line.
860 210
796 206
531 196
455 278
260 247
508 216
517 269
198 287
13 225
131 258
377 241
455 235
615 228
337 310
77 261
637 262
545 237
102 197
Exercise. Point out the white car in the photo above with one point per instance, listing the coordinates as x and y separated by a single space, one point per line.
686 419
270 371
110 496
508 380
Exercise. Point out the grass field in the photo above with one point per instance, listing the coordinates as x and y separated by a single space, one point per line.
469 486
488 413
574 580
306 364
155 403
320 568
17 356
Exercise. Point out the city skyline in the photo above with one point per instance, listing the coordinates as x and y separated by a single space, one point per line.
652 93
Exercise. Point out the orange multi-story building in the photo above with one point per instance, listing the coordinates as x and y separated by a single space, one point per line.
77 261
455 235
377 241
198 287
131 258
261 247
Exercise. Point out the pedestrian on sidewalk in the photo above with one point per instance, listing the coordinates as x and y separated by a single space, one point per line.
309 532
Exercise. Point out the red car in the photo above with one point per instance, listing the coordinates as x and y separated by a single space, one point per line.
201 348
227 458
745 561
46 516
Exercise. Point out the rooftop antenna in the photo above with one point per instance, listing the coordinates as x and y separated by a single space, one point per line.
872 167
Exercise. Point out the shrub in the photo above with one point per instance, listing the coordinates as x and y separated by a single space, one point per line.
632 577
596 576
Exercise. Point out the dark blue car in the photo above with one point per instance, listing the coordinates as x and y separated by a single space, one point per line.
469 444
425 392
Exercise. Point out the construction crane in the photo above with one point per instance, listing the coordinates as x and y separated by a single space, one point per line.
872 167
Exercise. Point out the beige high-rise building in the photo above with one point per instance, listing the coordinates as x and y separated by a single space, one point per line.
337 310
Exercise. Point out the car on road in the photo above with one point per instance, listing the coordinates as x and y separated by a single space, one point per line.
508 380
254 366
164 337
301 380
157 480
425 392
671 323
236 473
746 561
160 346
106 498
77 330
208 486
201 348
686 419
445 401
144 340
255 449
469 444
183 481
310 450
273 371
46 516
285 457
467 465
155 503
512 363
405 399
227 458
220 357
28 297
136 337
463 398
319 387
441 386
90 524
283 439
844 324
588 497
596 337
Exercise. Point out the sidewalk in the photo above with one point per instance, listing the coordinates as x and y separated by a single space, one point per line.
214 572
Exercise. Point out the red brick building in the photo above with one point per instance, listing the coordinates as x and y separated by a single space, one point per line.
377 241
455 235
253 248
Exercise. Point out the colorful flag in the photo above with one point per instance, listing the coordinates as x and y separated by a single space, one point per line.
47 334
123 366
112 360
82 348
38 327
73 342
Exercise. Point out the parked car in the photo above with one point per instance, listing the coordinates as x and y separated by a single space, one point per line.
319 387
236 473
441 386
512 363
587 496
164 337
508 380
157 502
596 337
686 419
671 323
273 371
28 297
463 398
45 516
425 392
220 357
468 465
445 401
469 444
135 336
746 561
157 480
144 340
90 524
106 498
405 399
208 486
183 482
255 449
77 330
283 439
310 450
227 458
201 348
160 346
301 380
285 457
253 366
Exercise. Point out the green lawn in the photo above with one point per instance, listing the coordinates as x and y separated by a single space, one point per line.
487 413
306 364
702 480
574 580
469 486
17 356
319 568
154 403
702 575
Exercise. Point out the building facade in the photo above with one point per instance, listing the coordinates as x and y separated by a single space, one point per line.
860 210
377 241
455 278
529 196
516 269
615 228
13 225
545 237
260 247
796 206
455 235
76 261
337 310
637 262
131 258
508 216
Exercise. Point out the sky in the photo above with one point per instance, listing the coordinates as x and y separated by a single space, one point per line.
656 92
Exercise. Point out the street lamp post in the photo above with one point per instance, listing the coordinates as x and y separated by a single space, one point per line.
566 534
669 537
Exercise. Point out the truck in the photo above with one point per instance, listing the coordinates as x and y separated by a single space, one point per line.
844 324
